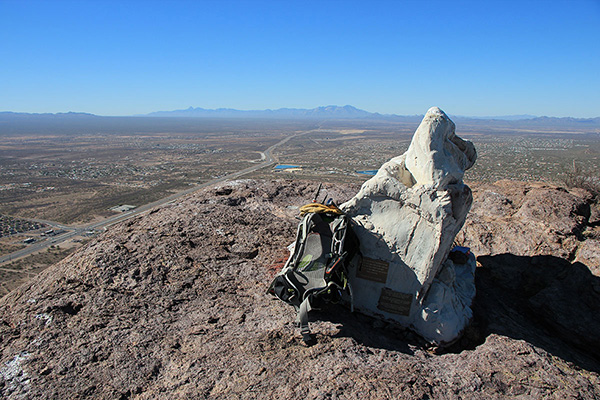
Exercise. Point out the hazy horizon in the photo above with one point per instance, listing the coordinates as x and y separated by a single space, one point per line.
482 117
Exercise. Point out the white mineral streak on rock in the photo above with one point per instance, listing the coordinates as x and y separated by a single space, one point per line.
407 216
16 380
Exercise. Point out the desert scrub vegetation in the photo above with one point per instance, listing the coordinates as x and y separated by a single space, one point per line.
577 177
7 248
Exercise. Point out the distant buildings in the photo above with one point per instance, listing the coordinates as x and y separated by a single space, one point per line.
122 208
12 225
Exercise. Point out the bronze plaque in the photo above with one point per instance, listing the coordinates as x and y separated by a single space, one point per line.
373 270
395 302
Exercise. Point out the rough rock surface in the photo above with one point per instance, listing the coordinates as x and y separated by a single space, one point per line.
541 242
588 252
530 219
172 304
407 217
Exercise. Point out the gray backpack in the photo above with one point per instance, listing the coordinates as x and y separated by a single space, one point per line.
316 271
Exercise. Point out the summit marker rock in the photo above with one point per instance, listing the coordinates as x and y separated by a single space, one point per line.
407 217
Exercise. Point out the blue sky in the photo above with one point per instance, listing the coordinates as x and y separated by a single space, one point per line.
467 57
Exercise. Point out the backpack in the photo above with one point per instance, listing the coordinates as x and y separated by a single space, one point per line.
316 270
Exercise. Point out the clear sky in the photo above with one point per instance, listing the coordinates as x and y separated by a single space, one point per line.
475 58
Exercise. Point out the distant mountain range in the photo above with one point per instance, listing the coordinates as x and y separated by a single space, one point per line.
324 112
319 112
349 112
501 117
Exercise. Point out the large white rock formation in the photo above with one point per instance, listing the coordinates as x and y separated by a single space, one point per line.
407 217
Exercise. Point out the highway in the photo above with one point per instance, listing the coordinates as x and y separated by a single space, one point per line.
268 159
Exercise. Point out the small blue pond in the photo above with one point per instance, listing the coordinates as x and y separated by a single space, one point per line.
368 172
282 166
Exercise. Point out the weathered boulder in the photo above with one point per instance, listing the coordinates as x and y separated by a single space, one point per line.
407 217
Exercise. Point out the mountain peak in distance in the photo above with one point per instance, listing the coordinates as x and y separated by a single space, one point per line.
330 111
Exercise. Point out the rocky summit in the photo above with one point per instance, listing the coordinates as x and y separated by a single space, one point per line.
172 304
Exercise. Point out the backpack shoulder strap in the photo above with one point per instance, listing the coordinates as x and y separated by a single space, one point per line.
304 227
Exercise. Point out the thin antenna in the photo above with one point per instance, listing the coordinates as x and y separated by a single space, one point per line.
317 194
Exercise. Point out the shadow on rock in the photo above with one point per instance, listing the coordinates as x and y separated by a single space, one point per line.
544 300
369 331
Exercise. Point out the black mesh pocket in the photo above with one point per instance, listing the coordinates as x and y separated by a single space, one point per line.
284 291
